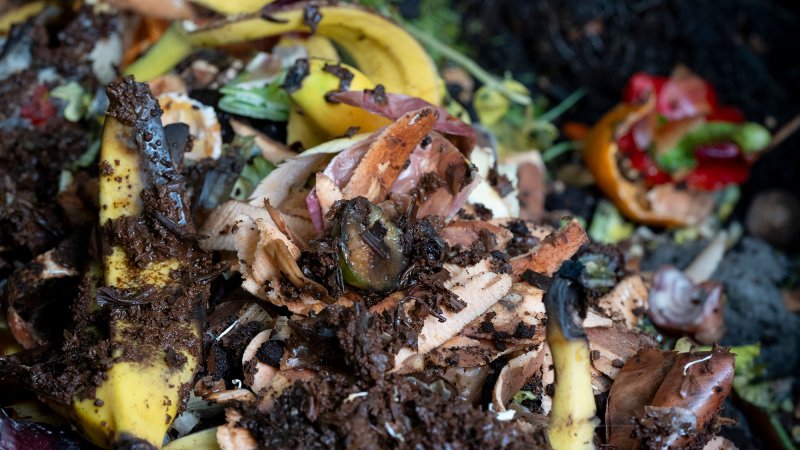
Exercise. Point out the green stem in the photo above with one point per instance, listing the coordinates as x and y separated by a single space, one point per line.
467 64
558 150
553 113
786 440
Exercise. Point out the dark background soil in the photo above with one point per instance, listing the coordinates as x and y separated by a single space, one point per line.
749 50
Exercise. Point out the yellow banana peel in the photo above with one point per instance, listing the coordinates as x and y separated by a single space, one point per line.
301 130
229 7
138 400
334 118
20 14
202 440
140 395
317 46
381 49
572 418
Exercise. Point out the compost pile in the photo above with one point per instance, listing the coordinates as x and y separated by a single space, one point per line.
292 225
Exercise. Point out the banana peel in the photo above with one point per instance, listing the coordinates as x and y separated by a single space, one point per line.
335 119
316 46
573 416
300 130
161 57
381 49
19 14
142 390
229 7
201 440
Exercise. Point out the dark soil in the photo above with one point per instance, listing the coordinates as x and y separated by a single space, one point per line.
752 273
747 50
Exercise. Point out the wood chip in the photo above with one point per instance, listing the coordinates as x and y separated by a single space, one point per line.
478 287
513 318
462 351
548 256
627 302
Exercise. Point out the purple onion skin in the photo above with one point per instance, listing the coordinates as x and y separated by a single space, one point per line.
21 435
678 305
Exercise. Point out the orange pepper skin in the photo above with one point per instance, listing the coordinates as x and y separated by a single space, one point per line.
600 155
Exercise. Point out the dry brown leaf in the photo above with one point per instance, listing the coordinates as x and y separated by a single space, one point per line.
612 347
387 156
696 382
466 232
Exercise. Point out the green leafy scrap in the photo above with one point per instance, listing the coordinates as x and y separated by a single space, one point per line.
523 395
608 226
256 168
269 102
77 100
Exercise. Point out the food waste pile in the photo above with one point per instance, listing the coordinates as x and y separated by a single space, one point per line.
315 225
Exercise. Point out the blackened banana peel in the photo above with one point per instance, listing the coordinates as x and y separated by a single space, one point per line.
572 418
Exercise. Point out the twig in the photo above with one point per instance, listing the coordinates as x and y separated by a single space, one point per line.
785 131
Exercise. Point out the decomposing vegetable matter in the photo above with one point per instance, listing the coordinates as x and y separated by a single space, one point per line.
670 131
370 247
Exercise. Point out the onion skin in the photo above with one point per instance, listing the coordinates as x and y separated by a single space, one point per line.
678 305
